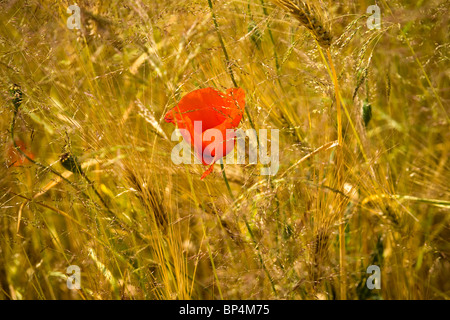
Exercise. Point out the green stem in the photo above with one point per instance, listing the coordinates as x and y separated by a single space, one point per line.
231 74
13 122
226 180
269 29
259 255
227 60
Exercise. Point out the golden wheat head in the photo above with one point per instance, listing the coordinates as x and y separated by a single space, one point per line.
309 18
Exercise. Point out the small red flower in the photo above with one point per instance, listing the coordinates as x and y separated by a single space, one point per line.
14 157
202 110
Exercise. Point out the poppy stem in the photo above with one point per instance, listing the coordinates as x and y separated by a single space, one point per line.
226 180
249 229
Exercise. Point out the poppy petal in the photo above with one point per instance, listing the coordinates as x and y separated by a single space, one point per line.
208 171
211 109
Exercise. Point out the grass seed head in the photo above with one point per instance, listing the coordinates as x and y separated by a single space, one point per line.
16 94
366 112
70 162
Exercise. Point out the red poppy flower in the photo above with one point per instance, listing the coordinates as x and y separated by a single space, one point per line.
209 118
14 157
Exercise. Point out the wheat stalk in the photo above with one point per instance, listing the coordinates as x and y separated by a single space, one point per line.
309 18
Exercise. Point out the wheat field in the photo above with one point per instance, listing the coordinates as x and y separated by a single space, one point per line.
364 141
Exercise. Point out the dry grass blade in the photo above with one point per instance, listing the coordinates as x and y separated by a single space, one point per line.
326 146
